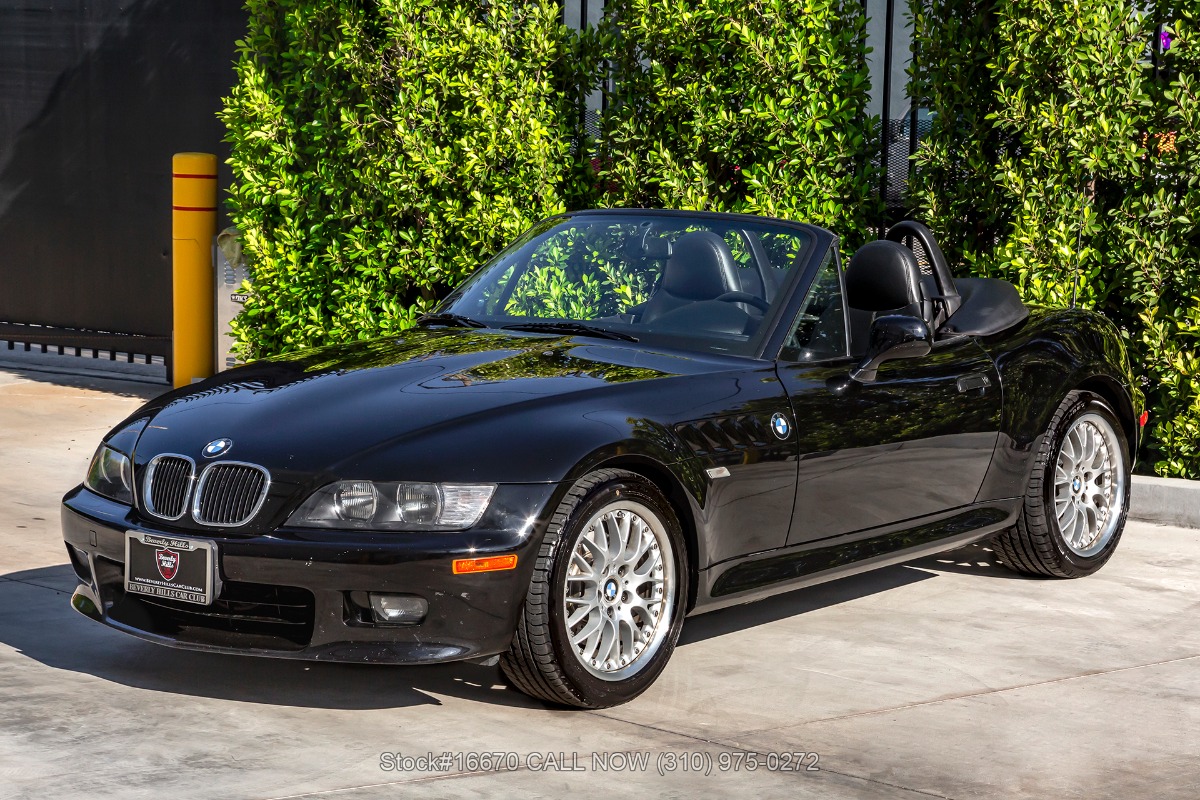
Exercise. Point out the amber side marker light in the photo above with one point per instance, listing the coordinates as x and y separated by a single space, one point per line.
463 566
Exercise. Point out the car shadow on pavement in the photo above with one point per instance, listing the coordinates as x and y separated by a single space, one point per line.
36 620
796 602
974 559
115 383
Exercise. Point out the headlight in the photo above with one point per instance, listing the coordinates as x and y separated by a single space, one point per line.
365 505
111 475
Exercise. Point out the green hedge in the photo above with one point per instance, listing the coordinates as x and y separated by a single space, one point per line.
1153 236
1032 99
382 150
740 105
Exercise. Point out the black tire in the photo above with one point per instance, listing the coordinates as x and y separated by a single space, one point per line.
541 661
1036 545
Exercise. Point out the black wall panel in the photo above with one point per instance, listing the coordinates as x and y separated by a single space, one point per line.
95 97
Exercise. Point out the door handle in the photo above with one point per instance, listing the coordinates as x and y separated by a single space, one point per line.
976 381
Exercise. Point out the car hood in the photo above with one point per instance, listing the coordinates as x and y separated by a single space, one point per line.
315 411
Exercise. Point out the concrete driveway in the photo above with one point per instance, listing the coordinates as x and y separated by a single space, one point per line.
947 677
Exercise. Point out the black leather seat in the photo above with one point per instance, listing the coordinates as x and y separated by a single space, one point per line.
700 268
883 278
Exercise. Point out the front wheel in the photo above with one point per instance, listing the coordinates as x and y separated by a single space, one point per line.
1078 494
608 596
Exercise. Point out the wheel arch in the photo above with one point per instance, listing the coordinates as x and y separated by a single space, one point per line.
1119 400
683 502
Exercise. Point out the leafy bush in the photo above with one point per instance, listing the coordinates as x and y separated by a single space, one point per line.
739 105
953 180
578 273
383 150
1153 237
1033 98
1069 93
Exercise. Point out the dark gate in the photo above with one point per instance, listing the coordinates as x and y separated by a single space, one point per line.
95 97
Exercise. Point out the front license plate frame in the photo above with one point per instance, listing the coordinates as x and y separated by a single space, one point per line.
171 567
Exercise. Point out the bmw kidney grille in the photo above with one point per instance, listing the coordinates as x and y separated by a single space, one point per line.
229 494
168 484
224 495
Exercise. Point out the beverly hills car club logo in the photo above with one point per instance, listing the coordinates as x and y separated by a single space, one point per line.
168 563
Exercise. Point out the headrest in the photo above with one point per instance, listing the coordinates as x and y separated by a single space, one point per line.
883 276
700 268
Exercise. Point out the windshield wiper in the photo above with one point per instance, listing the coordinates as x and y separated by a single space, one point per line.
453 320
570 327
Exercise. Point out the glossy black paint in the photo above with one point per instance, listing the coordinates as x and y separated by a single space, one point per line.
1049 354
901 447
931 453
815 562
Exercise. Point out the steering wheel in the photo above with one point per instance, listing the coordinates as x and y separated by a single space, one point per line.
744 297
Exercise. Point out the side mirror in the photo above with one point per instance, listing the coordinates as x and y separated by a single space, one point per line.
892 336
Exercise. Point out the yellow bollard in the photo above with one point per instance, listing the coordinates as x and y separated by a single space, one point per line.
193 226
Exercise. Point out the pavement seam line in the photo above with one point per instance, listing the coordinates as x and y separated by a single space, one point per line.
453 775
31 583
964 696
384 784
970 695
743 749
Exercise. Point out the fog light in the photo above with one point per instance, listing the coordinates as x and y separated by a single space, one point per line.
398 608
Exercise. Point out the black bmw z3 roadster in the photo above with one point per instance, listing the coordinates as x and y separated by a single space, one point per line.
624 418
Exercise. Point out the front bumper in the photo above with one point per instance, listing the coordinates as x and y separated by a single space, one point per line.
298 593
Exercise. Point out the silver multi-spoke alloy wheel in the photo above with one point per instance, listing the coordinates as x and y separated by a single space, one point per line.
1089 484
619 593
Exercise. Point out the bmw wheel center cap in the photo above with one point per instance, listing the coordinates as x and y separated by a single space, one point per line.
780 425
217 447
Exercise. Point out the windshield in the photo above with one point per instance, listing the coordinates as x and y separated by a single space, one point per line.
695 283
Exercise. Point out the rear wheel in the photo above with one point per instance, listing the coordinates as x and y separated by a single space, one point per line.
607 599
1078 494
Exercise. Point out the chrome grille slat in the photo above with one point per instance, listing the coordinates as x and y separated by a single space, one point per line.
239 488
245 486
236 498
216 505
229 493
167 490
226 498
254 486
177 488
